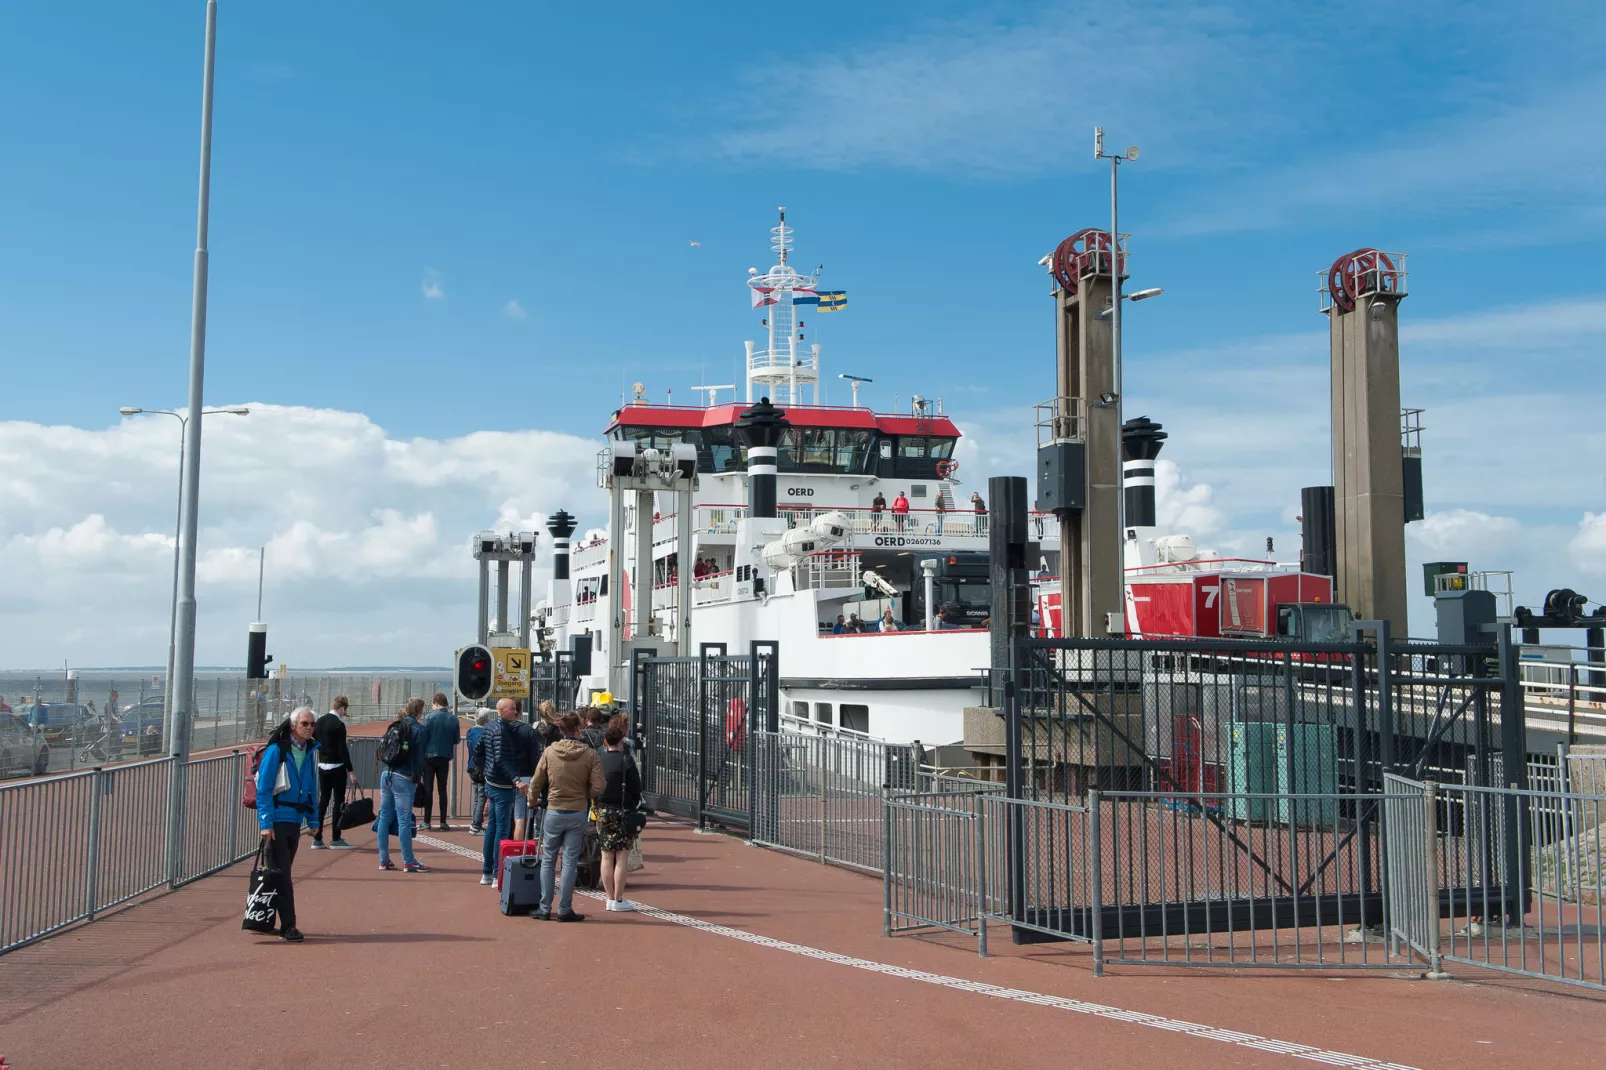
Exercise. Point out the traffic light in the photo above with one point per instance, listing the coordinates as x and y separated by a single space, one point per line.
473 676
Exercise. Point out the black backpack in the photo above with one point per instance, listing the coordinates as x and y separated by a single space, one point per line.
396 742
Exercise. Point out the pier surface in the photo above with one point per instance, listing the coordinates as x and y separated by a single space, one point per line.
748 957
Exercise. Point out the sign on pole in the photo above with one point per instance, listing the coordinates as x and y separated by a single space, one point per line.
510 673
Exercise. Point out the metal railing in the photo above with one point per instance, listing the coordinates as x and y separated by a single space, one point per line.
933 871
825 796
1529 904
59 726
74 846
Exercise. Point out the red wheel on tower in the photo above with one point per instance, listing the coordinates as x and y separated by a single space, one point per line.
1362 272
1087 251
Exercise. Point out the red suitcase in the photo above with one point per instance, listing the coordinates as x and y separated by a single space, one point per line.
512 849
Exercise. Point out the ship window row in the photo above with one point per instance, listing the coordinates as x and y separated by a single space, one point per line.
804 449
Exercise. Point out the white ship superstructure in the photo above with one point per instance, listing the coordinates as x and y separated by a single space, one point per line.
866 505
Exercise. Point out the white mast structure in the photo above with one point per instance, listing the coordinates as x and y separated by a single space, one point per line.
781 369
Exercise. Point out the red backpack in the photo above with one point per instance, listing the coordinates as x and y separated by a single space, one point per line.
249 796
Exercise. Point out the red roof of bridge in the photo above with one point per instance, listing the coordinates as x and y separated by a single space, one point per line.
649 415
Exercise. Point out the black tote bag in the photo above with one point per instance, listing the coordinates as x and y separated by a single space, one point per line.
261 893
358 811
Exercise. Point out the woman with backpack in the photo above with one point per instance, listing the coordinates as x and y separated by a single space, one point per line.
287 796
401 752
619 816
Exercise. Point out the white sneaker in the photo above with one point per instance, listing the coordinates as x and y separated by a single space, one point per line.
622 906
485 879
611 905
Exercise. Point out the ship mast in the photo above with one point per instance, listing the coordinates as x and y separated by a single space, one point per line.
784 368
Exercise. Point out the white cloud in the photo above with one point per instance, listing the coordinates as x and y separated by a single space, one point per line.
366 535
431 286
515 311
988 94
1588 545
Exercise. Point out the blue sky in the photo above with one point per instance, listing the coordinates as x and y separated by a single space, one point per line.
388 178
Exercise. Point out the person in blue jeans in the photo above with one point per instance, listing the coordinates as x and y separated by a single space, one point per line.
397 785
476 776
505 753
571 775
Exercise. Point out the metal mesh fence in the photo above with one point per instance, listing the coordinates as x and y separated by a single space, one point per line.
57 725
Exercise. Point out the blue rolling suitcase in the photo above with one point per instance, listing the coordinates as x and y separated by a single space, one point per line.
521 883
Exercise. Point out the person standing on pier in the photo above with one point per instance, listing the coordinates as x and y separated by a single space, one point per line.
334 770
397 785
287 789
476 775
506 754
571 774
442 733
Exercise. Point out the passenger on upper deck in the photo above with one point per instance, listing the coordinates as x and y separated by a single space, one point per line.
900 511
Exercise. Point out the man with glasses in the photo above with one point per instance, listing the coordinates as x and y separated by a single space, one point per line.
287 792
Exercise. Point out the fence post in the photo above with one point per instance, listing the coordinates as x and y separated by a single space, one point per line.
978 814
92 876
825 755
1095 921
234 811
1430 880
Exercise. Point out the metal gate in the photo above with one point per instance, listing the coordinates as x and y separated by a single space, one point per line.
697 720
1239 784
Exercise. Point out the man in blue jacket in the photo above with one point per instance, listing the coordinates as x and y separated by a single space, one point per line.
288 765
442 732
505 754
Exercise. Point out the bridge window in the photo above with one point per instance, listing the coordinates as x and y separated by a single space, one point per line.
855 718
822 712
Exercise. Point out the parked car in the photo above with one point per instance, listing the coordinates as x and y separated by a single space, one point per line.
23 750
143 724
56 722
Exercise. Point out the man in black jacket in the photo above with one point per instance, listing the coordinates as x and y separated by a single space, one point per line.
334 767
505 753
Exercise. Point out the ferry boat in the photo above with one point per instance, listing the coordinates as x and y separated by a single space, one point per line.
873 501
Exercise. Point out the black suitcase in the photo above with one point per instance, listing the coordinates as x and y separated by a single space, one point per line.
521 884
589 874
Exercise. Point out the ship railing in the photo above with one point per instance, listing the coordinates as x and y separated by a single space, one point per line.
714 587
961 521
585 611
589 555
827 569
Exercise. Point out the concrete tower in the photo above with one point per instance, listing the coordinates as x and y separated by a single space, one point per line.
1079 468
1362 301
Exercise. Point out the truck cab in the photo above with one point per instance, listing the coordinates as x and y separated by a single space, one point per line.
1315 622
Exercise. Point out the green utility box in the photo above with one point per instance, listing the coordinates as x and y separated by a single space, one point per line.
1307 764
1434 569
1252 753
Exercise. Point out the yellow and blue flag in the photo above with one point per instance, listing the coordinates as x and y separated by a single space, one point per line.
833 300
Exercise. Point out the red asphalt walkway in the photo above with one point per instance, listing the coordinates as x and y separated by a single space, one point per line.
422 970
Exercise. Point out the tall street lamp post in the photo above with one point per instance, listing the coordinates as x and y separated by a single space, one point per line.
183 427
1116 159
183 679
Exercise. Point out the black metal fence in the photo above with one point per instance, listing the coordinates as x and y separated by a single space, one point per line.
1242 782
697 717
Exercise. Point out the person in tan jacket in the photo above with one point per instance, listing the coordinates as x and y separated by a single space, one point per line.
571 775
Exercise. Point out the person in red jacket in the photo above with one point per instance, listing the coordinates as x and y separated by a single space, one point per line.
900 511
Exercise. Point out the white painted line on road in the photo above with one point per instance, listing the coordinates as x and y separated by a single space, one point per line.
981 988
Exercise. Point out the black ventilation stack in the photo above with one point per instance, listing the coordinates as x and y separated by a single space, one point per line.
1141 441
761 427
561 525
1318 534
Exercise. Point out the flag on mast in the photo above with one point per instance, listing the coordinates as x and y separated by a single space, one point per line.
831 300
